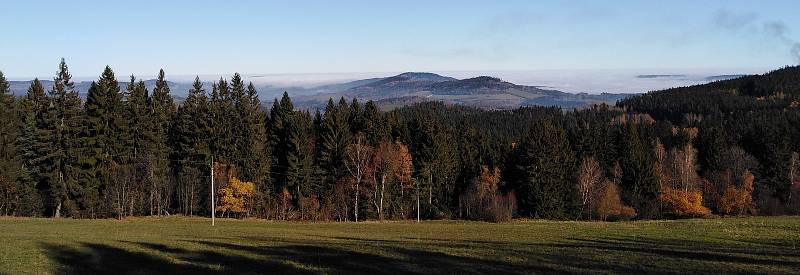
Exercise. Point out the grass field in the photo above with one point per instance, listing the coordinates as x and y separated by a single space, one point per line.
178 245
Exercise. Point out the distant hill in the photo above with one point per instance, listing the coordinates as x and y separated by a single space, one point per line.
483 91
778 89
399 90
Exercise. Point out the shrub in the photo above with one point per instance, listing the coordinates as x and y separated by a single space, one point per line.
682 203
483 202
609 204
738 200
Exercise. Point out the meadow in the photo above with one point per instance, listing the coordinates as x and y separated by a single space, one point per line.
182 245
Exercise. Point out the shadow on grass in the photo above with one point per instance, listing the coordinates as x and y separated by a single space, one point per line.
92 258
106 259
350 255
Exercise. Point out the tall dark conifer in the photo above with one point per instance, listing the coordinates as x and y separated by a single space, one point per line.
546 165
66 123
101 147
639 184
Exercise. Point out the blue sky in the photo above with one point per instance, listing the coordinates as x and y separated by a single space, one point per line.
211 37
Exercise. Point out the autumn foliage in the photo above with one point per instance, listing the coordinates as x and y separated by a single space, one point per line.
738 200
610 206
483 201
682 203
235 198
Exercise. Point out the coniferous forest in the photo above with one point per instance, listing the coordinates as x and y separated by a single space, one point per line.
724 148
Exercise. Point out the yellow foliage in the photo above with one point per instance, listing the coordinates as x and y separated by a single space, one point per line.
236 196
683 203
738 200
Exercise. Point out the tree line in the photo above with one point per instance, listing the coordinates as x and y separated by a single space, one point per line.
124 150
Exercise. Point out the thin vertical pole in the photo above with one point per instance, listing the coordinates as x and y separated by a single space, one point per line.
213 208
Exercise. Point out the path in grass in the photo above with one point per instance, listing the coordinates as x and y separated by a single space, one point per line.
179 245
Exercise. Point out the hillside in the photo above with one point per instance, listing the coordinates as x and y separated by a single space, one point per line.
777 89
482 91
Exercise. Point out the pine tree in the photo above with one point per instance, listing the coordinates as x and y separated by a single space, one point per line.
137 115
38 147
256 159
162 109
222 109
191 146
639 184
334 138
16 139
279 130
300 156
66 125
240 127
546 164
9 126
374 125
102 149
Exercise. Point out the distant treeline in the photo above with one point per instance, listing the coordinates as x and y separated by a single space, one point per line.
724 148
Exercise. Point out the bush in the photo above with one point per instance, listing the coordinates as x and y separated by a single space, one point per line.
609 204
681 203
738 200
483 202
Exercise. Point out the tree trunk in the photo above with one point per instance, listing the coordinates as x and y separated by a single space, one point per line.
57 213
355 207
380 209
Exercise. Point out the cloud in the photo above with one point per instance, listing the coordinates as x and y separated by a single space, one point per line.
750 24
724 19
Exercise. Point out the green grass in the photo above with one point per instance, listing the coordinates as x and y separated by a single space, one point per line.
191 246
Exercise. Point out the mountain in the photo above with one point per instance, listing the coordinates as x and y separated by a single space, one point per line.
483 91
396 86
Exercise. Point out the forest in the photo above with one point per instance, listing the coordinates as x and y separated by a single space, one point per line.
719 149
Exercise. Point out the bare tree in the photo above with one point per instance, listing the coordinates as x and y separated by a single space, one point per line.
358 163
589 177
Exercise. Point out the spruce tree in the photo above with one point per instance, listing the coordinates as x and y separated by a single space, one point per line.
279 130
240 127
103 142
67 128
334 139
38 148
300 156
546 165
137 115
9 126
16 142
256 153
639 184
162 109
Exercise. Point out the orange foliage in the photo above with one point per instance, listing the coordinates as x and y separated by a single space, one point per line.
609 204
683 203
236 196
482 201
738 200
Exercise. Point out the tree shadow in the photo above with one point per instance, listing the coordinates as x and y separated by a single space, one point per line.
697 256
105 259
224 257
350 255
397 261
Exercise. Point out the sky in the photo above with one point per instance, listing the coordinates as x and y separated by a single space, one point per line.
313 37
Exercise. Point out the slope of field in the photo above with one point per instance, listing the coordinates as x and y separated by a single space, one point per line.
179 245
